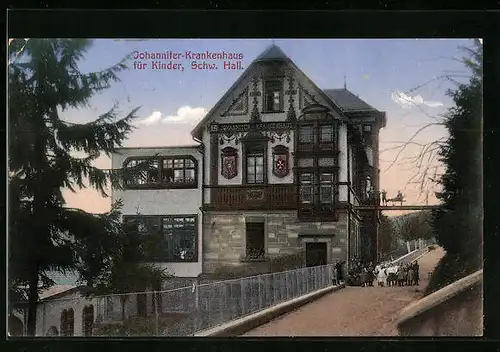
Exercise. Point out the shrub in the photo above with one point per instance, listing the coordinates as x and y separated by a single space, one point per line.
449 269
170 324
286 262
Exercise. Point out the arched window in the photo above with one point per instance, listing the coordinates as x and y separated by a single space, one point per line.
15 326
67 322
88 320
64 318
52 331
71 323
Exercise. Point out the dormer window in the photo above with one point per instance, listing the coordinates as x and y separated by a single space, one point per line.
273 96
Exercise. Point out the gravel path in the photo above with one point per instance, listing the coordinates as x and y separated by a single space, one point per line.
352 311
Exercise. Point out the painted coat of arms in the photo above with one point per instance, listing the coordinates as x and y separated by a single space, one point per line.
229 166
280 165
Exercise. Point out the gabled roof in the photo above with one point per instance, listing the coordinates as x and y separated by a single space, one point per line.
273 53
56 291
347 100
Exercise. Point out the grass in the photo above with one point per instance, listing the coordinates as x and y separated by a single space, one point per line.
450 269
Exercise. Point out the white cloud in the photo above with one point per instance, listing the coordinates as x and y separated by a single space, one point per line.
407 101
184 115
155 117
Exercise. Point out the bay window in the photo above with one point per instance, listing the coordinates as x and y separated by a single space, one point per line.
161 172
317 168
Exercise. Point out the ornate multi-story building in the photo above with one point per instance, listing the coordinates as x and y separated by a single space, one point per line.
279 168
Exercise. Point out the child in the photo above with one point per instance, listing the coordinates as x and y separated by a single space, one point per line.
335 276
381 277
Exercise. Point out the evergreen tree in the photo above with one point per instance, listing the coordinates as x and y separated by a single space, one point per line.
386 234
44 234
458 221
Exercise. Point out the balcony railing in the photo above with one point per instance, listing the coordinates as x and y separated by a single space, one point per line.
262 197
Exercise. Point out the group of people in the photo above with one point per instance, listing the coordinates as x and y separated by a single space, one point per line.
364 274
402 275
361 274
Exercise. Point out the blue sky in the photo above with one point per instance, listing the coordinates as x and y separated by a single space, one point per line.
379 71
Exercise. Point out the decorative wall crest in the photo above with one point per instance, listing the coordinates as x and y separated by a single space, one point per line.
255 194
239 106
229 163
281 161
230 137
279 136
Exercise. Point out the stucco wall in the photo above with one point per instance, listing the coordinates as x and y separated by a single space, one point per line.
49 313
456 310
165 201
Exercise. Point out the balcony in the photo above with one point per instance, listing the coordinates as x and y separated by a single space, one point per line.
252 197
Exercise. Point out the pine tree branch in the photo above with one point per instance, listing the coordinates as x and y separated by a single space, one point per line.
103 135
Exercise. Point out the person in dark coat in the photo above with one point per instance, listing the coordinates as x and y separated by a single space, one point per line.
416 268
340 274
364 277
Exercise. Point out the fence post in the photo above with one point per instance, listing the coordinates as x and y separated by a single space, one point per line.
287 283
197 312
260 292
155 302
242 297
222 305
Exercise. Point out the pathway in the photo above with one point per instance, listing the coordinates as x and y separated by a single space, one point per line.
352 311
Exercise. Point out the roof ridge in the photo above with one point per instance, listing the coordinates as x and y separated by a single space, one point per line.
273 51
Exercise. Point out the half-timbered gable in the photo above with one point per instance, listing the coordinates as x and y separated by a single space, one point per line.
284 163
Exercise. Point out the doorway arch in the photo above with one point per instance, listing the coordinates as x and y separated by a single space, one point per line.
88 320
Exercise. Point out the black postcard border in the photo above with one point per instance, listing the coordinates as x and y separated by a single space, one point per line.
293 24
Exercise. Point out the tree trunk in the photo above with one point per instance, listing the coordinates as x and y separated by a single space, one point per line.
32 304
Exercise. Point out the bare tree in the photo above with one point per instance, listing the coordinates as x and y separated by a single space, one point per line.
425 163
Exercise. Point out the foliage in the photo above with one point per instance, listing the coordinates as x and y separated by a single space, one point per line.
458 221
284 262
274 264
127 269
387 233
44 82
415 225
168 324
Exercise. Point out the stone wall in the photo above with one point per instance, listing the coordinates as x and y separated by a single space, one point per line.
224 240
455 310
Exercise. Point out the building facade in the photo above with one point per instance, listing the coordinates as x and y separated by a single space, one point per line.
279 166
167 201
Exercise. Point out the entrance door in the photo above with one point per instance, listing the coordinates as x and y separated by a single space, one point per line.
316 254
